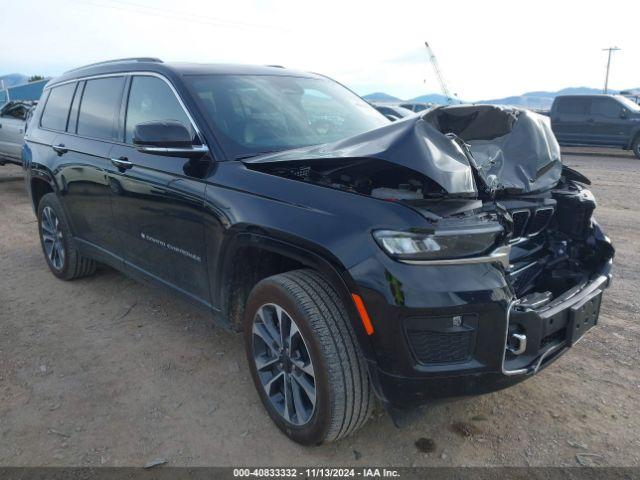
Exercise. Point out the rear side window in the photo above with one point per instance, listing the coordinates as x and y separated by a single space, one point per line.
606 107
574 105
56 110
99 106
151 99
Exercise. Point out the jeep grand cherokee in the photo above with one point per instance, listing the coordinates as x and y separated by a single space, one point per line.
445 254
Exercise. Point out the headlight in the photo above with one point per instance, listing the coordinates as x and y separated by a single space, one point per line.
439 245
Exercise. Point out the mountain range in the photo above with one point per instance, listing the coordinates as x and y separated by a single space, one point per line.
540 99
13 79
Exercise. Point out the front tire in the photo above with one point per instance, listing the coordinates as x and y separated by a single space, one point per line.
60 251
304 360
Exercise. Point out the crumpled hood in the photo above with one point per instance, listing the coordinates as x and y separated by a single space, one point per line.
510 149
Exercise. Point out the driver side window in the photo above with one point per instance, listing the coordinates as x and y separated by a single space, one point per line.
606 108
151 99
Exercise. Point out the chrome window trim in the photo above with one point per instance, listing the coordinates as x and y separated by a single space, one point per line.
128 74
177 150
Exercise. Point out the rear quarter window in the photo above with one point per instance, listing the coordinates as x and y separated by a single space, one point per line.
56 110
99 106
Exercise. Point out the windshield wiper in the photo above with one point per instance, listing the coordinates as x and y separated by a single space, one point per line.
244 156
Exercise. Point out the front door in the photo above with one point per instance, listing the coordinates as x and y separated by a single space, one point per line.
610 126
158 201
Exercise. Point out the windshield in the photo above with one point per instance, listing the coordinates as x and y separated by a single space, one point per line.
631 105
252 114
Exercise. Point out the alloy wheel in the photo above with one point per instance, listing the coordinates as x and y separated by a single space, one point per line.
283 364
52 238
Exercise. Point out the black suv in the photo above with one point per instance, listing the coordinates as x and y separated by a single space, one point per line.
600 120
436 256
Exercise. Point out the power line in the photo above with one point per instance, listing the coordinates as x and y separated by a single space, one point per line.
606 78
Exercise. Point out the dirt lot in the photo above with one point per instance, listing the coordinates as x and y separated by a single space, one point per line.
105 371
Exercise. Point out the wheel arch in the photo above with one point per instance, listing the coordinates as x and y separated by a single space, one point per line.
635 135
40 183
264 255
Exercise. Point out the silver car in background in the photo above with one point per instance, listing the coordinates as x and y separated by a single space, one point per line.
13 121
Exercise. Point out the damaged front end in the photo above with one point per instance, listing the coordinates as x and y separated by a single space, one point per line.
490 182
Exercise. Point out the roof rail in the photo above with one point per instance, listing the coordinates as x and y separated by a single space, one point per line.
117 60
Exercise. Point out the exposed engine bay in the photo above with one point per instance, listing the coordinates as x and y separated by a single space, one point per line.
462 165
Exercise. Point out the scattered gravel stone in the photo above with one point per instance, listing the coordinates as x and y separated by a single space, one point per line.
357 455
156 462
53 431
479 418
465 429
589 459
577 444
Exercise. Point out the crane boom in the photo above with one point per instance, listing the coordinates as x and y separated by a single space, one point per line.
436 68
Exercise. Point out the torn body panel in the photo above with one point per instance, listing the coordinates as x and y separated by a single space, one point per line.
507 150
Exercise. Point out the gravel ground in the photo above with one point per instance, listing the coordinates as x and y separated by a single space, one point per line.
105 371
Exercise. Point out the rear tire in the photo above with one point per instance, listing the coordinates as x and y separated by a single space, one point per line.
332 363
60 251
636 147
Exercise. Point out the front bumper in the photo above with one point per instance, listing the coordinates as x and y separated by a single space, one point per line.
470 314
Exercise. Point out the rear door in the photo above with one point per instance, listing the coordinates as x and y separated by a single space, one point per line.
158 201
570 120
609 127
83 151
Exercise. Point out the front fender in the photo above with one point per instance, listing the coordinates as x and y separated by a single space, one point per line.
297 250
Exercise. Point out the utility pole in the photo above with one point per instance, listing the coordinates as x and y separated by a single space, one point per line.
606 80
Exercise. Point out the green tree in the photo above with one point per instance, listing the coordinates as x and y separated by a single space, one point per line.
35 78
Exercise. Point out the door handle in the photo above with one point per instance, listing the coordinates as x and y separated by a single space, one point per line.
590 120
60 149
122 162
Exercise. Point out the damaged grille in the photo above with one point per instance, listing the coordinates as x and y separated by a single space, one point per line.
520 220
530 222
540 220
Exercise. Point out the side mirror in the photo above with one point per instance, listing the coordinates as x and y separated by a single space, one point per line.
623 113
166 137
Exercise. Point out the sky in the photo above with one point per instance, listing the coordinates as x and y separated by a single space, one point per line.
486 49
